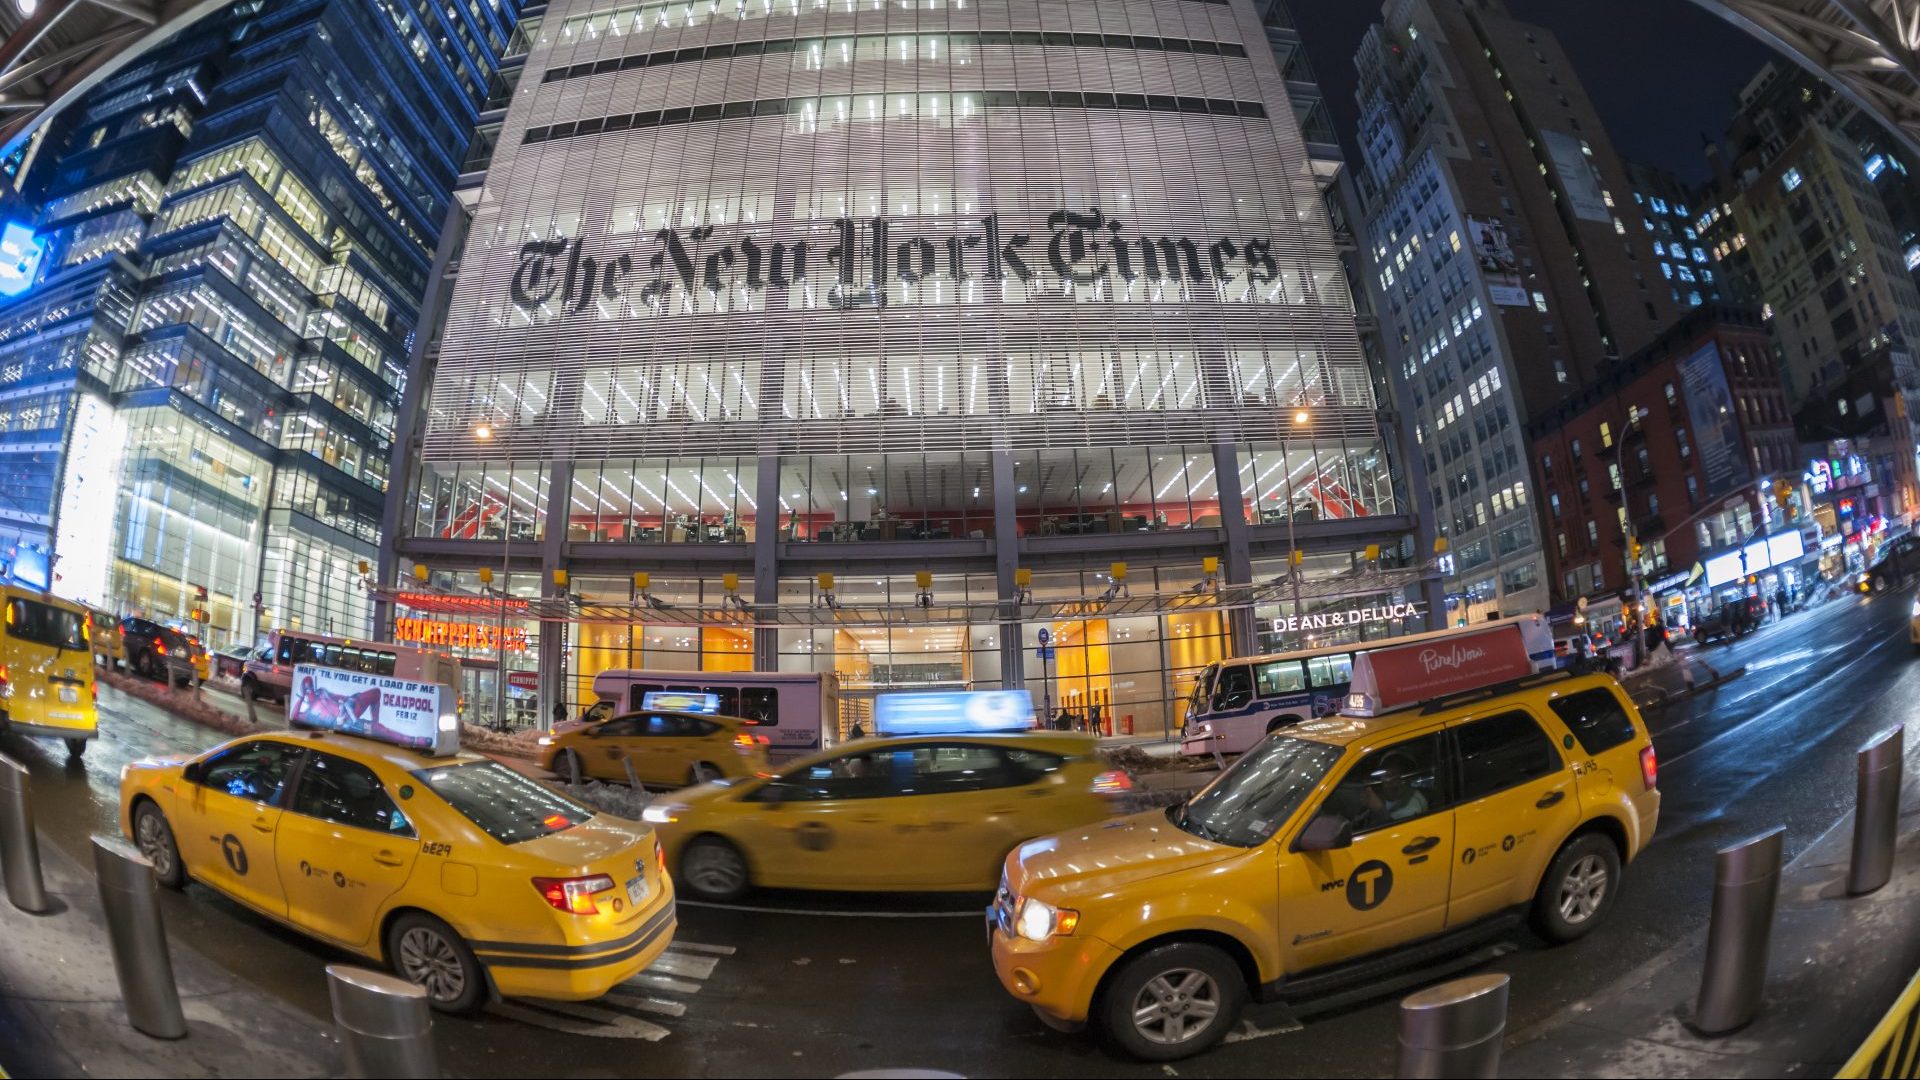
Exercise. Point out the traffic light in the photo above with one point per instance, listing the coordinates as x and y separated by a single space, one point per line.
1633 548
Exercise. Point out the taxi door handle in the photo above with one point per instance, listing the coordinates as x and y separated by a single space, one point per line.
1425 843
261 825
865 820
1551 798
387 858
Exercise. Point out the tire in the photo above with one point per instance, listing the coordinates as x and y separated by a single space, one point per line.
154 837
702 771
1879 583
76 748
1186 978
1578 889
713 869
426 952
143 665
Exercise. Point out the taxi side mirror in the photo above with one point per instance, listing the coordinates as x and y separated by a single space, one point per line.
1325 833
193 772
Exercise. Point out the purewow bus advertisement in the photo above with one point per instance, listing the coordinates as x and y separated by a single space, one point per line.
399 711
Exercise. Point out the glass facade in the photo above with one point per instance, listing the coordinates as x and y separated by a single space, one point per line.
240 228
940 289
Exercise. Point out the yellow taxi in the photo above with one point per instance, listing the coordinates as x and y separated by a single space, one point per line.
46 669
109 648
1331 852
462 875
664 747
918 813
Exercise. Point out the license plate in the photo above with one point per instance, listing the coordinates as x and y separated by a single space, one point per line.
70 695
636 890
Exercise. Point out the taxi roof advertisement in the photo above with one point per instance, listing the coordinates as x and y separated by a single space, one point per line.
398 711
1394 677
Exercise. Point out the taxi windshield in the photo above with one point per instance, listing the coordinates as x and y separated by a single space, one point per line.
508 806
1246 803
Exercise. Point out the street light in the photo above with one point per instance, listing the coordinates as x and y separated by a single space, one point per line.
483 431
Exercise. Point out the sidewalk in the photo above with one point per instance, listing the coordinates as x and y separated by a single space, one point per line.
61 1015
1835 965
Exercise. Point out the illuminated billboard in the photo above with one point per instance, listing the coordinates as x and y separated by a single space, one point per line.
20 256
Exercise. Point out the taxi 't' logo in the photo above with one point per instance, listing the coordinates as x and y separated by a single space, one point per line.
235 855
1369 884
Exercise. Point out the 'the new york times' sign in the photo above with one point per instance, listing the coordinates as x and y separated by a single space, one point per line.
559 277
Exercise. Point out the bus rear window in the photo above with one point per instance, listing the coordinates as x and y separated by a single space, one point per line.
30 620
506 805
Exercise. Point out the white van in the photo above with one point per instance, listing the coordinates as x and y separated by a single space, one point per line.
1236 703
269 673
795 712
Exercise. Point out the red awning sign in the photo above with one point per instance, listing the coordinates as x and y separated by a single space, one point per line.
1392 678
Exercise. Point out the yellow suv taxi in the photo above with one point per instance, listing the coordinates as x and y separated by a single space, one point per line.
1327 846
925 812
664 748
463 875
46 668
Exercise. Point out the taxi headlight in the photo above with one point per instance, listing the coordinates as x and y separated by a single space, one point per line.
545 740
658 814
1916 609
1039 920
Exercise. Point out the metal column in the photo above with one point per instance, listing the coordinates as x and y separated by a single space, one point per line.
384 1021
553 636
766 561
1876 815
139 939
1006 559
1746 885
19 844
1454 1029
1237 568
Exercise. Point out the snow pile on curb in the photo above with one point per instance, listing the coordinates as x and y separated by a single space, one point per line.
522 743
1133 761
617 799
185 704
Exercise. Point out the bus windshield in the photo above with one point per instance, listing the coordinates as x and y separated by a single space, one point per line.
30 620
1197 701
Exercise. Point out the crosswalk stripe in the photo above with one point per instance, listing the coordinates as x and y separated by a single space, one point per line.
602 1025
694 946
633 1000
662 982
696 967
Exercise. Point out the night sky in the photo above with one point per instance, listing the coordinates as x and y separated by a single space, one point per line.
1661 72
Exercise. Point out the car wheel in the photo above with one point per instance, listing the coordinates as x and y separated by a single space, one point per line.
703 771
1578 888
76 747
426 952
1172 1002
712 868
143 665
1879 583
154 837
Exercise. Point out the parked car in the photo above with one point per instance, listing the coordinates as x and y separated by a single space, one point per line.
1736 618
158 652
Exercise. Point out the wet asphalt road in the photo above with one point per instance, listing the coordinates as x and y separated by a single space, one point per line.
810 986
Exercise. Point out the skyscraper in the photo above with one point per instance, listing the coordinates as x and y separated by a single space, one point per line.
199 374
1505 272
1031 312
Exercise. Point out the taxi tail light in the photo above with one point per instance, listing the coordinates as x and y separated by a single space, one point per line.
573 895
1649 767
1112 782
160 647
743 742
659 856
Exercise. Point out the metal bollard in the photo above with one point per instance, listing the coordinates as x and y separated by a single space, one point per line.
129 894
385 1023
573 769
1746 885
19 845
633 778
1876 817
1454 1029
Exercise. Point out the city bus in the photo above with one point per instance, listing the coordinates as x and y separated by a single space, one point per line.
269 673
796 712
1236 703
46 668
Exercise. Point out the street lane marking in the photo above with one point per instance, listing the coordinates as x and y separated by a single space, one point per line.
617 1014
1789 700
605 1025
970 913
696 967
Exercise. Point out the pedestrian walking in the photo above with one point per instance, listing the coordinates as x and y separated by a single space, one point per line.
1093 719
